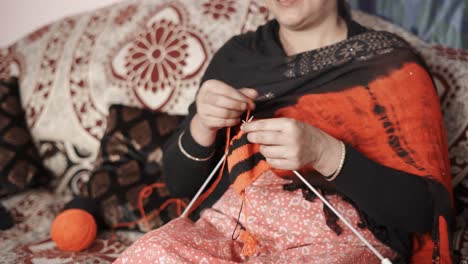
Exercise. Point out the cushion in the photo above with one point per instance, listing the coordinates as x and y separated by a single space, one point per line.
8 67
20 164
71 163
145 53
130 158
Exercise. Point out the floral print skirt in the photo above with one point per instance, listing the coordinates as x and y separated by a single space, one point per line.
289 229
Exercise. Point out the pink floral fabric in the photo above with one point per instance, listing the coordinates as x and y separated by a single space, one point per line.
289 228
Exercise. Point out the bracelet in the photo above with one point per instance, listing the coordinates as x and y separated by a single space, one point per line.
190 156
340 167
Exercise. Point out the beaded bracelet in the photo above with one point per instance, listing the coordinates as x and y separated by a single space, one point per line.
188 155
340 167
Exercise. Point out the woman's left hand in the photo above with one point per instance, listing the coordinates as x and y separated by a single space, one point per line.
290 145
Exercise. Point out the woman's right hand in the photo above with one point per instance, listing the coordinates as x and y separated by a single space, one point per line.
219 105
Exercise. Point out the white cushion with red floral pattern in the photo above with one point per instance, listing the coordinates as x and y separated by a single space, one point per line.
149 54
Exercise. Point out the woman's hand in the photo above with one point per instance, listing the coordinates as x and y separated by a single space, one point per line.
289 144
218 105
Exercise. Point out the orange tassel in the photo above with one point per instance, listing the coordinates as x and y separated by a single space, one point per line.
250 244
249 247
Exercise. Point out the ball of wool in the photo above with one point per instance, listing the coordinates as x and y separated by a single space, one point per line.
73 230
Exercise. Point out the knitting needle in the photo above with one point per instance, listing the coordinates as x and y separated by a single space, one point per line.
382 259
194 199
250 119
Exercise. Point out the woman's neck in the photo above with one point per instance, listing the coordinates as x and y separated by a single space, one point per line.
326 32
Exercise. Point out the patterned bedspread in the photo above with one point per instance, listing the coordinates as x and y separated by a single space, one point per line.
29 241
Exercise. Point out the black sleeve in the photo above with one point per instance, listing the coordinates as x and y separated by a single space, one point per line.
391 197
185 176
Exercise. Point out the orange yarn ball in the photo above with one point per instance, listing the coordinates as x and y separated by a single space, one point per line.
73 230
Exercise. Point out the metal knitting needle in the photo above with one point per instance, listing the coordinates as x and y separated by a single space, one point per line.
213 172
372 248
250 119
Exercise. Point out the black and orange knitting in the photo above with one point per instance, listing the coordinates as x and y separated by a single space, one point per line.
245 165
245 162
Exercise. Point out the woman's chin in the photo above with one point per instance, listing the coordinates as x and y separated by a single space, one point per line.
292 17
294 14
291 22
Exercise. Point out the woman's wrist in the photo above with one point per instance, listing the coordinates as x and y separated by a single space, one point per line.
201 134
330 156
193 148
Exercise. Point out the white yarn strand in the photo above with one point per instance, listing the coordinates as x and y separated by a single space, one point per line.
382 259
213 172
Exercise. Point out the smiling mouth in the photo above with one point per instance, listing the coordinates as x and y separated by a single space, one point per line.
286 3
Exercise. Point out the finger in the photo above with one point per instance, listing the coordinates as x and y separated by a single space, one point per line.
219 112
266 138
221 88
219 122
282 164
273 152
224 102
271 124
251 94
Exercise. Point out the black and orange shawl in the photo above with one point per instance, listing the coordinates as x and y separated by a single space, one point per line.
373 92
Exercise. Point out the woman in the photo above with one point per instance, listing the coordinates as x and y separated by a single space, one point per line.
353 109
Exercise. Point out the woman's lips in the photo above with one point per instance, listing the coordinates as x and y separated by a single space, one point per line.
286 3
